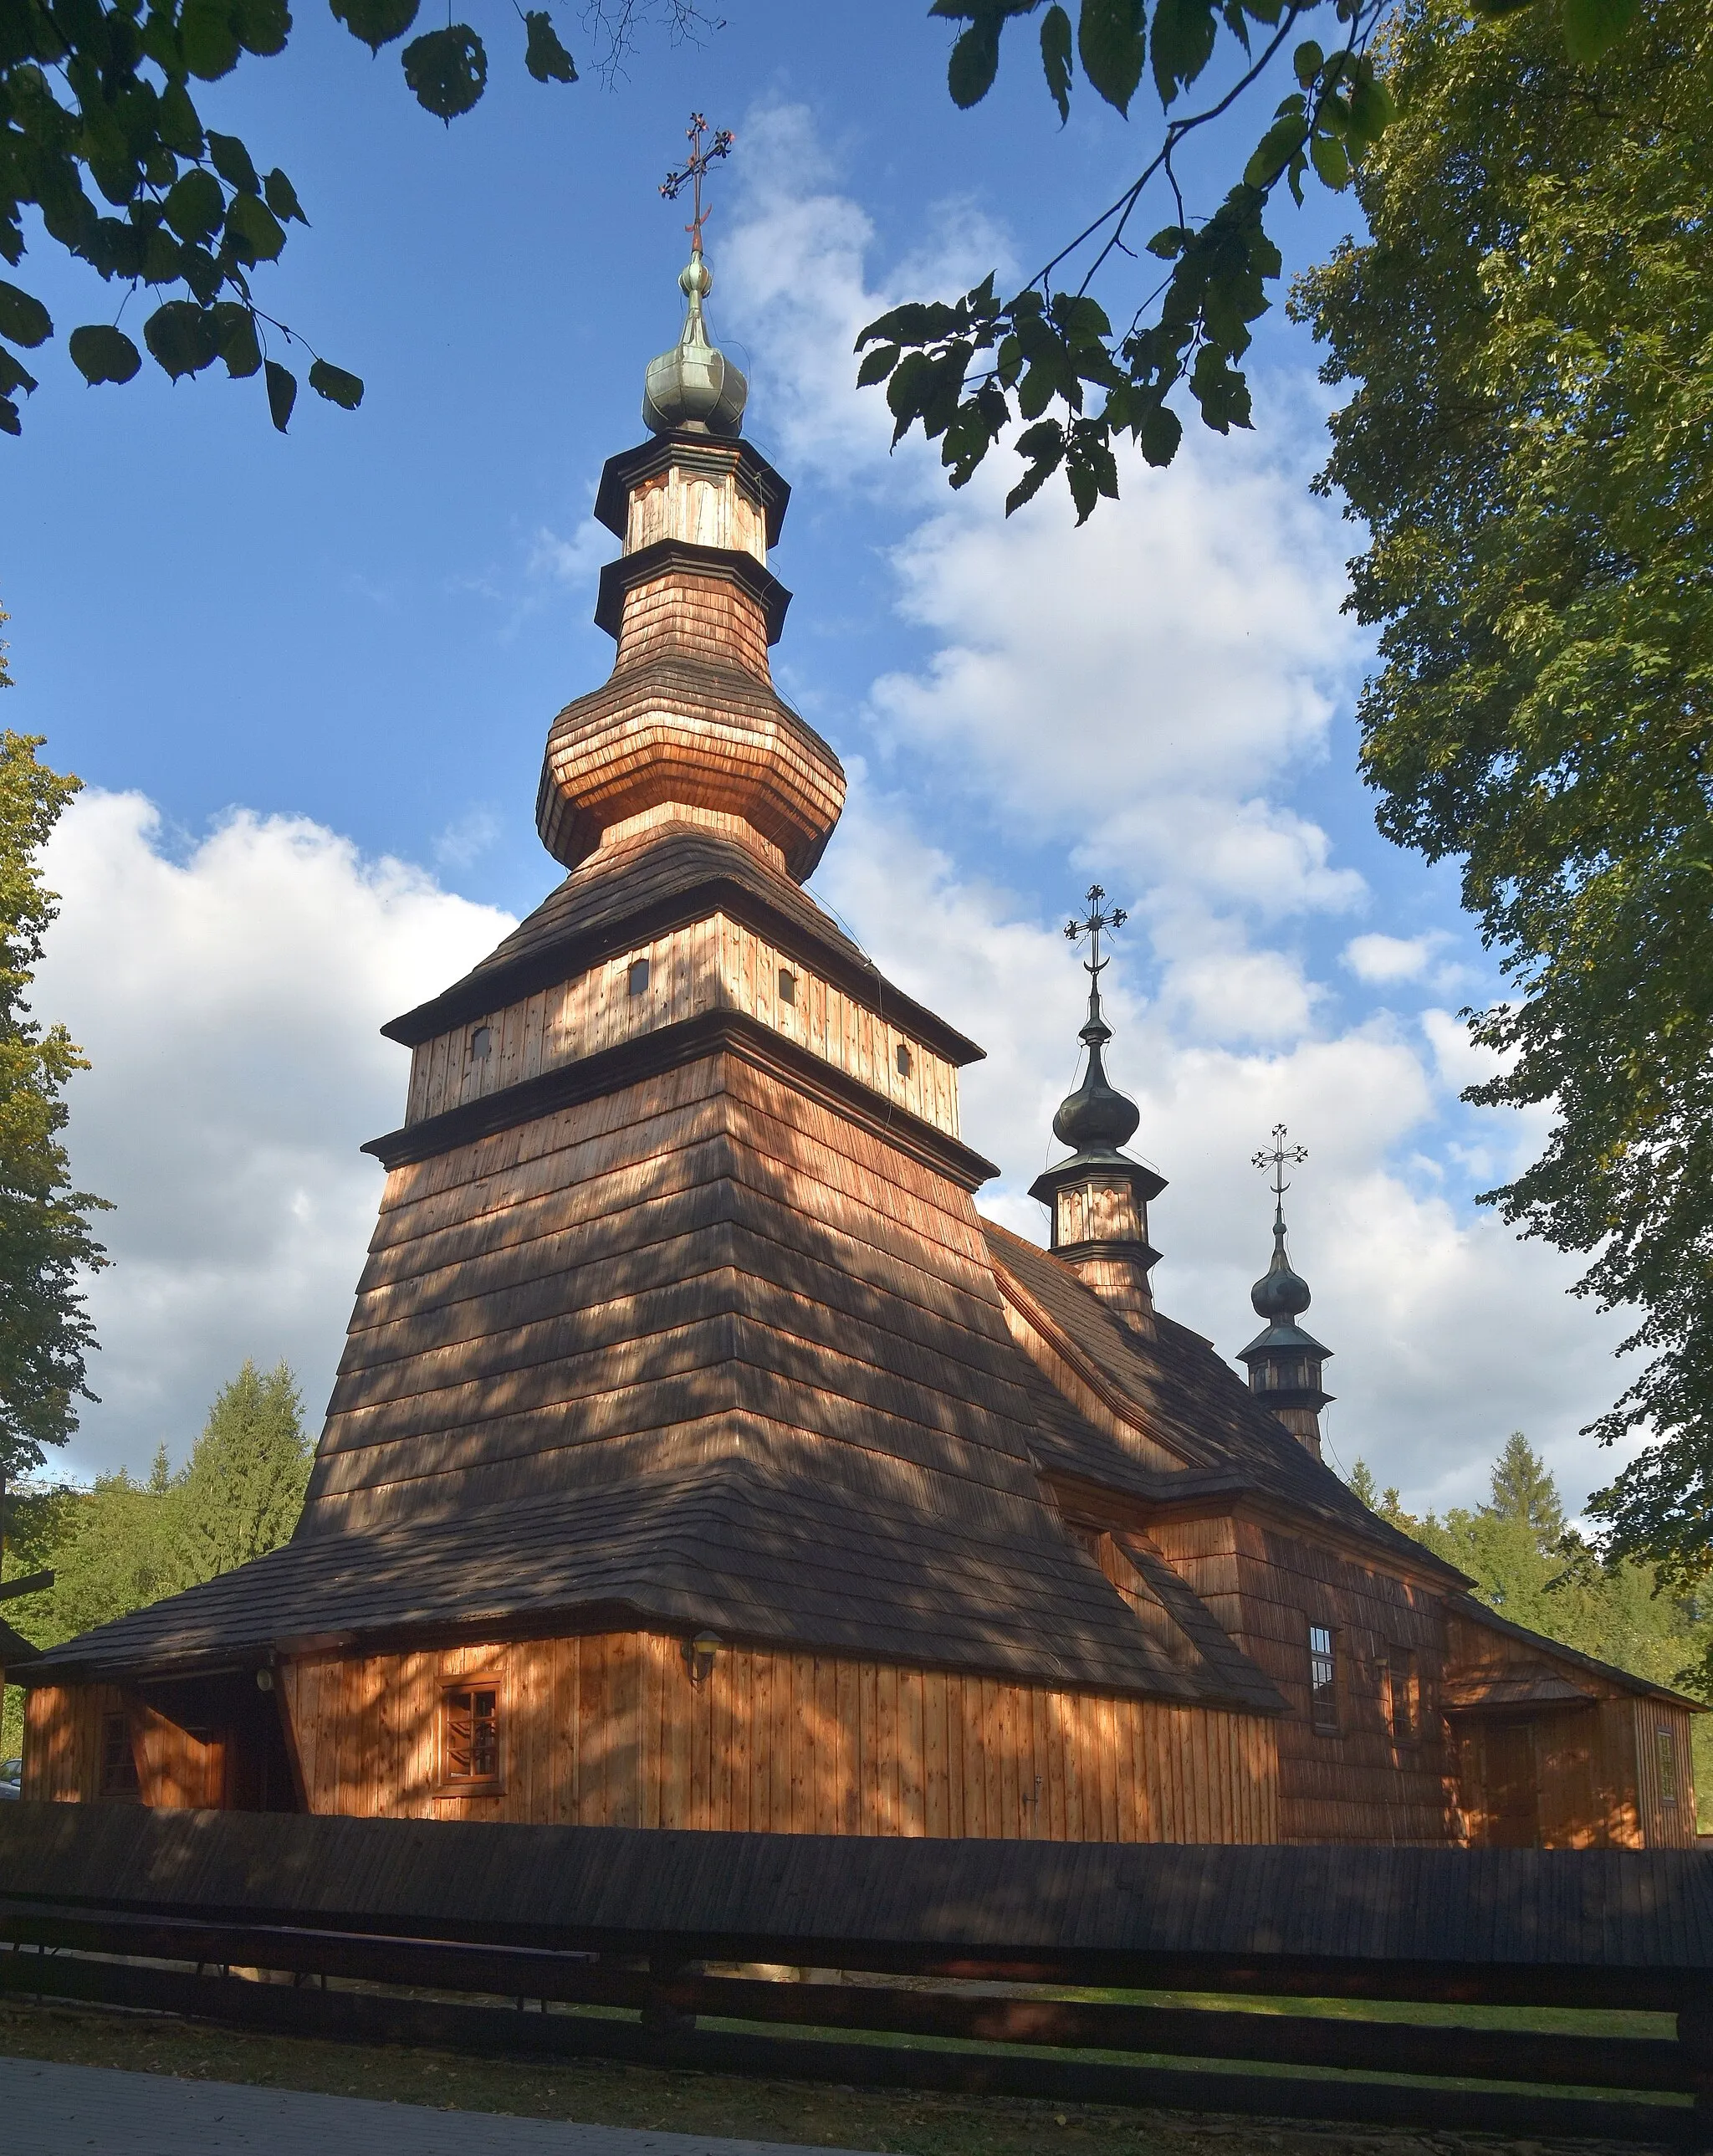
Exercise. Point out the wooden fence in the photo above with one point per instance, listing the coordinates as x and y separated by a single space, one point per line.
192 1913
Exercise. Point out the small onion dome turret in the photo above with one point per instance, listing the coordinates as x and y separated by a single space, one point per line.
1097 1200
1283 1362
694 387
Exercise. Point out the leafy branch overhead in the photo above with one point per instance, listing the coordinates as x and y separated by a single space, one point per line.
101 137
1050 358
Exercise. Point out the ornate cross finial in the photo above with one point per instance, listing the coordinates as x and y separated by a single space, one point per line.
1278 1157
1096 920
695 165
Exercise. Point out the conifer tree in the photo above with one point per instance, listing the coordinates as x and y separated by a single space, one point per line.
244 1487
1525 1493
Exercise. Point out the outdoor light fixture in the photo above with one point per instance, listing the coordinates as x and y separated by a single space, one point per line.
699 1655
265 1679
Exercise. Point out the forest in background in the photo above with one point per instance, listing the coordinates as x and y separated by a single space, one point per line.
121 1542
1533 1566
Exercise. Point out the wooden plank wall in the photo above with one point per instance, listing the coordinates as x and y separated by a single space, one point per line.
1667 1818
63 1728
677 504
1266 1587
716 964
609 1730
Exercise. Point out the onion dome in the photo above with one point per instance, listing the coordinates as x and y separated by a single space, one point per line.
1280 1293
1098 1199
694 386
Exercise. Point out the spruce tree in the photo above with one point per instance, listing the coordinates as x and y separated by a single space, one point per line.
1524 1491
244 1487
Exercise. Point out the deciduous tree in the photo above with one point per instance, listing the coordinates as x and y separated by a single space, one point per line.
1529 441
46 1243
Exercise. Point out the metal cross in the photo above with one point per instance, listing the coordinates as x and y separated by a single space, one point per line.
695 165
1098 919
1279 1158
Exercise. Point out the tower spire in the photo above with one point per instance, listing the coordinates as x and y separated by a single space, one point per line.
1283 1362
1098 1199
694 387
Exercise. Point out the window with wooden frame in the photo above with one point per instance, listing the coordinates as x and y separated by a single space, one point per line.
1323 1679
1666 1751
787 985
119 1776
1403 1694
470 1736
636 978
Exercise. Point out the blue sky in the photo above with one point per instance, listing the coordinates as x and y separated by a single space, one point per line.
307 680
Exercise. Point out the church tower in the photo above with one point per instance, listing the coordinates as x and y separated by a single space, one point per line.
1285 1362
1097 1201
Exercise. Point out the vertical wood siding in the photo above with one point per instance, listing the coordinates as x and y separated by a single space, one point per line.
609 1730
716 964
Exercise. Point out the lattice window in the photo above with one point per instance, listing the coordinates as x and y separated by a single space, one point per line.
1323 1678
119 1776
469 1734
1666 1751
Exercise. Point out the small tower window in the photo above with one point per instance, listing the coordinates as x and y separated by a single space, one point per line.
905 1062
469 1735
787 985
636 980
119 1775
1323 1679
481 1044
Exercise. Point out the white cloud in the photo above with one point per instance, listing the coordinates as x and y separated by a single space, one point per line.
228 1002
1382 960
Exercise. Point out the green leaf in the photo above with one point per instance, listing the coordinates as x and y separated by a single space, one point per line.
101 353
1307 62
1055 57
22 318
195 205
232 162
1111 46
282 393
544 56
1371 110
1184 31
1274 151
877 365
447 71
10 423
917 321
176 117
209 40
376 22
974 62
1159 435
262 26
282 198
336 385
14 373
1594 27
255 233
1327 155
235 326
184 337
1042 446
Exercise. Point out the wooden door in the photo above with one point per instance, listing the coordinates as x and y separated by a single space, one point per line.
1513 1802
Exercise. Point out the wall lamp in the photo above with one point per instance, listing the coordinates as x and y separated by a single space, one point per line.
698 1655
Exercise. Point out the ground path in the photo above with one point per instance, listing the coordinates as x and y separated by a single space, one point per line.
55 2110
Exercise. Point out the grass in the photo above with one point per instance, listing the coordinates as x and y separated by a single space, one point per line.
891 2122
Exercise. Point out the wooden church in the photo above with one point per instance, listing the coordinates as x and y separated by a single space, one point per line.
700 1457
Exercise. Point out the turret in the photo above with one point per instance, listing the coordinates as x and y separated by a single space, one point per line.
1097 1200
689 727
1285 1362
